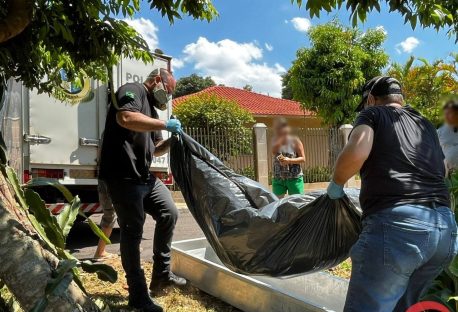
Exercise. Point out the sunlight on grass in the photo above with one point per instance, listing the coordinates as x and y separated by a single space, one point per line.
171 299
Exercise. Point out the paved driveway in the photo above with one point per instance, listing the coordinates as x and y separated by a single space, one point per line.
82 242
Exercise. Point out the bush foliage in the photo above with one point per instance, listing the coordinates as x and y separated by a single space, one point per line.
212 111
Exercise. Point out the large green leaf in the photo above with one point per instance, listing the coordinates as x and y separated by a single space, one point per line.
104 272
51 182
453 267
14 181
68 215
69 197
43 216
95 228
58 284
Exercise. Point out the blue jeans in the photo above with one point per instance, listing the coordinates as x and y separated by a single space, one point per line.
398 254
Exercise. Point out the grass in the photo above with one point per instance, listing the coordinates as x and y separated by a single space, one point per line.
343 270
171 299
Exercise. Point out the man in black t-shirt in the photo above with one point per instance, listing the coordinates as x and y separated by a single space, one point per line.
409 231
132 137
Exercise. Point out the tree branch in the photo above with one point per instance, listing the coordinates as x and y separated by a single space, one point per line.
18 18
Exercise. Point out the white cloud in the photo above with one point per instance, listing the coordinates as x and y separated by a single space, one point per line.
269 47
146 29
234 64
407 45
177 63
301 24
380 27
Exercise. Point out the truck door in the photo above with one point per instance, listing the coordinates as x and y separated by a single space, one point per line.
63 135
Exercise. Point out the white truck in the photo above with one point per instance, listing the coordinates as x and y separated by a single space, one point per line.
53 139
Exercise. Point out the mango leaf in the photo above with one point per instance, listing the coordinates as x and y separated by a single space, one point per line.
51 182
104 272
43 216
68 215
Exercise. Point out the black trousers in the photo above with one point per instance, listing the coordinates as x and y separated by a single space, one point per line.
132 201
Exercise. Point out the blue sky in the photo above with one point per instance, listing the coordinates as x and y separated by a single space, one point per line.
254 41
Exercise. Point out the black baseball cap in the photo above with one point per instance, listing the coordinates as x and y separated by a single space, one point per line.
453 104
379 86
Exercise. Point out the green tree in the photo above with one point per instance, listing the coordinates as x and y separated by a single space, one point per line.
327 77
248 87
428 13
212 111
192 84
209 116
426 85
38 39
286 90
75 36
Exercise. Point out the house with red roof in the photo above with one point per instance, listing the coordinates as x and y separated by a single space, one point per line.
263 107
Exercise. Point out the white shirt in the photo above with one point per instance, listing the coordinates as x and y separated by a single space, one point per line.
448 139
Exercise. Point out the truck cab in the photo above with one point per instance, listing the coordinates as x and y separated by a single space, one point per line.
60 140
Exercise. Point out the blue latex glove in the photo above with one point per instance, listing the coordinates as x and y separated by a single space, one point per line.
335 191
173 125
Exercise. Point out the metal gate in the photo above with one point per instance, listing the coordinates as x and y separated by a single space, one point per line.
233 146
321 147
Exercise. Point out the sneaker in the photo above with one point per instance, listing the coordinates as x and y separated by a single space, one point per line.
149 306
159 283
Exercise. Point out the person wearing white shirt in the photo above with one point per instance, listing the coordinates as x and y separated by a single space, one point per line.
448 135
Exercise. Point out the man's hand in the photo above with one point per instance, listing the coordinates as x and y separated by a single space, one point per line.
335 191
173 125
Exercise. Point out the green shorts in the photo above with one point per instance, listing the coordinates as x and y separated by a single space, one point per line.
290 186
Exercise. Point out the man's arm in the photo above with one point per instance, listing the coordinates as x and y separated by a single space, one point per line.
162 147
354 154
139 122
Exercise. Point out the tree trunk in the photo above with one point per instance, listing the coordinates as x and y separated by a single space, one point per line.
25 266
18 18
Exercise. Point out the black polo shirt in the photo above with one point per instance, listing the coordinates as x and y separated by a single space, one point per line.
406 164
128 154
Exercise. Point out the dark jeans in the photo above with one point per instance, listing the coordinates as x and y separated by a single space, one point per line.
132 201
399 253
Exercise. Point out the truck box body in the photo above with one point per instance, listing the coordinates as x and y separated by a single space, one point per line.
49 138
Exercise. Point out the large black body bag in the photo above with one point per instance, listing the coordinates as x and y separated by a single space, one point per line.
254 232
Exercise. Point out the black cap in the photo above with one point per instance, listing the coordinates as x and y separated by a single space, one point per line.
453 104
379 86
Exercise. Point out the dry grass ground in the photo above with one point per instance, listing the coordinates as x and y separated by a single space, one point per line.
172 299
343 270
189 299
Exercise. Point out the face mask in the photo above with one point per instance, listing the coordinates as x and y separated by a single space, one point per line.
161 96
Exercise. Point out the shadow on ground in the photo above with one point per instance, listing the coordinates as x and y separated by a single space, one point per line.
81 236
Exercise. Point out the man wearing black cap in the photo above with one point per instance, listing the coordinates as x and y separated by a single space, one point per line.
448 135
133 134
409 232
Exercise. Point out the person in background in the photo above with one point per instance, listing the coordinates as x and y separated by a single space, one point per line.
288 152
107 223
448 135
133 135
409 231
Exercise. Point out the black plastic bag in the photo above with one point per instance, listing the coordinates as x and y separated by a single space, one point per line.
250 229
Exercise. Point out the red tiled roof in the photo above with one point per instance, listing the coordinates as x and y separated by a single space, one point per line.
257 104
